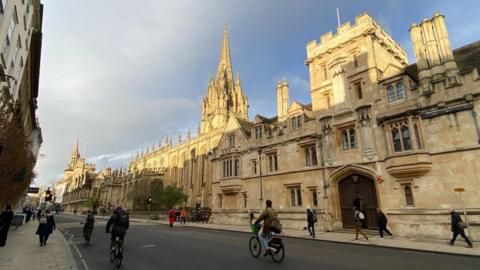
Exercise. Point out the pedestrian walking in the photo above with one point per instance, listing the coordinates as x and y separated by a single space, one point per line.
5 222
458 227
359 219
183 216
358 203
171 217
28 212
311 219
251 215
46 226
382 223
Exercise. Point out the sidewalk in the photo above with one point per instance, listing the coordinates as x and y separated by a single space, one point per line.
418 244
23 250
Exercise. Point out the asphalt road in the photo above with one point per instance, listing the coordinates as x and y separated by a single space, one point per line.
159 247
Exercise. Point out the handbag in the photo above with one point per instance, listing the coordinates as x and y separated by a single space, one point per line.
43 220
276 226
462 225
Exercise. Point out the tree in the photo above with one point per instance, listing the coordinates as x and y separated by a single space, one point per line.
169 196
92 202
16 160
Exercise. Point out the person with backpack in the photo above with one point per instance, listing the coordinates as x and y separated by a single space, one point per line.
311 220
382 223
359 219
271 224
119 222
458 227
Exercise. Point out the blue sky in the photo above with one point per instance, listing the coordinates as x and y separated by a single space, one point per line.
121 76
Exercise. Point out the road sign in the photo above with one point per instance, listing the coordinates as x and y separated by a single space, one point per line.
460 189
33 190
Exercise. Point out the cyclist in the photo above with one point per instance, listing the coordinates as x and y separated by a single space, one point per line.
120 222
88 226
268 216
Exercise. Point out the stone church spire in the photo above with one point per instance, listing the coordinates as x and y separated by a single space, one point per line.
74 156
75 151
225 63
225 97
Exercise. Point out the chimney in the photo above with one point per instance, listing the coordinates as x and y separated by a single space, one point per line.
433 52
282 99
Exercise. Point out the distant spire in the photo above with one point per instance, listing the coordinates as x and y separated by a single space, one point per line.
225 63
75 152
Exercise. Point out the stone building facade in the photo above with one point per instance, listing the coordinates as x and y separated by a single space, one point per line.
21 36
82 181
378 133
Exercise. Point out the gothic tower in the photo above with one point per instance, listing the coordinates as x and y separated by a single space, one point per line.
74 156
225 96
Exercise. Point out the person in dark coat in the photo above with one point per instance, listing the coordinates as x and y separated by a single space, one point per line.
458 228
382 223
45 227
5 222
311 222
28 214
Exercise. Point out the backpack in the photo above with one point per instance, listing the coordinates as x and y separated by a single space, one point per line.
315 219
276 226
123 218
121 223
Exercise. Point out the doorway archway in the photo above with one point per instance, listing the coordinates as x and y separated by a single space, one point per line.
358 190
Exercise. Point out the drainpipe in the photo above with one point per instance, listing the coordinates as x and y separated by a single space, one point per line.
475 121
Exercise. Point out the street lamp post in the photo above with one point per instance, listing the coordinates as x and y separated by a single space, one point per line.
260 173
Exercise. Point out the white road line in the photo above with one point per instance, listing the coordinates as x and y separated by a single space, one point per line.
76 248
148 246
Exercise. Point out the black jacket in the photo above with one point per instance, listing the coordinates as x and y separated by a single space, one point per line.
117 227
310 218
381 219
455 220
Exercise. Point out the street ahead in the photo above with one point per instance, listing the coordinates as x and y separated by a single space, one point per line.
159 247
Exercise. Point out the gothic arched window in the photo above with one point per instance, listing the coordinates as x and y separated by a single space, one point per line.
400 137
406 138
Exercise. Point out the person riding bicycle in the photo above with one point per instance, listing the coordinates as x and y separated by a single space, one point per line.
270 224
120 222
88 226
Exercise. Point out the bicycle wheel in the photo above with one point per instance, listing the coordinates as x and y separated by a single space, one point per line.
112 255
118 262
118 257
254 246
278 255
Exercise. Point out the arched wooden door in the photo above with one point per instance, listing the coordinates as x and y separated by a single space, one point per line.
358 190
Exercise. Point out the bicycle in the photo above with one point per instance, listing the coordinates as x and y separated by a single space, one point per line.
255 247
116 254
87 234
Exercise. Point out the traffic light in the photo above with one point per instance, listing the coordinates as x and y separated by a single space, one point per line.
48 196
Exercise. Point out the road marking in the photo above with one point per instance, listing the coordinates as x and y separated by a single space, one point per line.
76 248
148 246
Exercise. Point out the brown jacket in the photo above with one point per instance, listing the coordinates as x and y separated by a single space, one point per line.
269 214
